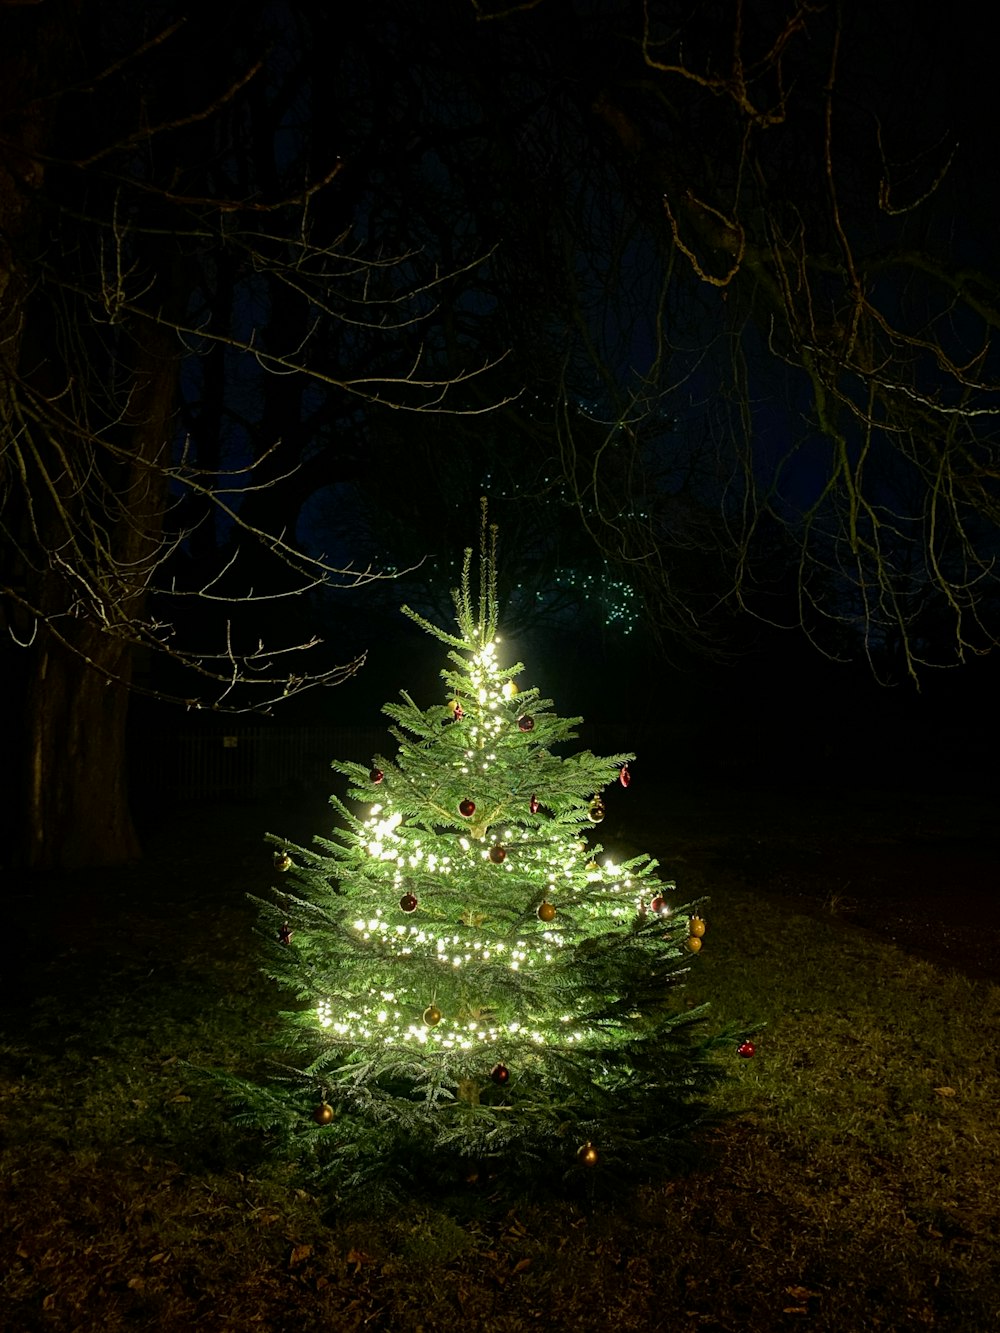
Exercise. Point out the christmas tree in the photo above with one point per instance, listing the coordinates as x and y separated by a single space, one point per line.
480 987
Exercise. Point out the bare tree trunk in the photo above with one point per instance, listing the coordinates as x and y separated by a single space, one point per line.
77 695
77 811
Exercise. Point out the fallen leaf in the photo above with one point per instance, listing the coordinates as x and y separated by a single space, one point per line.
299 1254
945 1092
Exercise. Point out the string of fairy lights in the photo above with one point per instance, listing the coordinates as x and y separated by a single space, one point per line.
390 1017
616 598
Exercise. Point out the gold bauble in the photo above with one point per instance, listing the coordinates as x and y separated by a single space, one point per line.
697 926
323 1114
692 944
432 1015
587 1155
546 911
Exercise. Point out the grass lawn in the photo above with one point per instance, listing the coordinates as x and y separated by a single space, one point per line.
856 1186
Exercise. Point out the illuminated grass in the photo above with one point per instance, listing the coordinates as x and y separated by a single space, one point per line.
856 1187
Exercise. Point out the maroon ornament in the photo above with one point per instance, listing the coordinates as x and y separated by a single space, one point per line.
458 712
408 902
533 805
526 723
657 904
376 775
285 934
624 776
467 808
500 1074
746 1050
498 854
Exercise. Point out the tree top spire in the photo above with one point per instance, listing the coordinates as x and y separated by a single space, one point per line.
477 615
481 626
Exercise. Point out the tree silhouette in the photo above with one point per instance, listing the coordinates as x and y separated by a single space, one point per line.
695 276
183 332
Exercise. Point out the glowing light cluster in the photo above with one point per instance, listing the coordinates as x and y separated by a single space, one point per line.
377 1021
617 599
483 676
456 950
383 839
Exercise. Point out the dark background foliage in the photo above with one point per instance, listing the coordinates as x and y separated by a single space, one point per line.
703 298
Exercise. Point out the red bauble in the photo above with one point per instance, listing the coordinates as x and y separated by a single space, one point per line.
467 808
498 854
376 775
526 723
285 934
657 904
746 1049
624 777
408 902
500 1074
458 712
533 805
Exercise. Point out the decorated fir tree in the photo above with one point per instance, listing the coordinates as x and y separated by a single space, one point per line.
479 986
